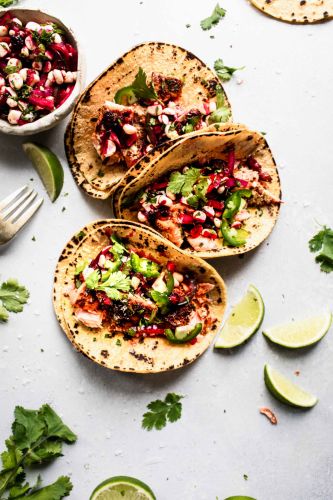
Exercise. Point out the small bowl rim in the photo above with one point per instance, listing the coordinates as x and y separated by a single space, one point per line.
50 120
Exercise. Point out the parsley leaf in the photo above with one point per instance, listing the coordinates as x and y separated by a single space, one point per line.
183 183
214 18
322 243
37 437
224 72
12 298
162 411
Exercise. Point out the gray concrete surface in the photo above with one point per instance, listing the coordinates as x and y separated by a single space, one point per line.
286 92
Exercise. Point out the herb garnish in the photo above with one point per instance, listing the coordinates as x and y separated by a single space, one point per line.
183 183
322 244
12 298
162 412
139 88
217 14
117 282
224 72
222 112
37 438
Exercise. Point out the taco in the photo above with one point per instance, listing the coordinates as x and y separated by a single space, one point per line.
131 301
212 195
156 93
297 11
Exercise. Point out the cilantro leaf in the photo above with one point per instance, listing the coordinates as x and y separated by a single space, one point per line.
6 3
322 244
176 182
201 187
80 267
55 426
12 298
3 314
93 279
191 176
183 183
28 427
139 88
217 14
224 72
37 437
162 411
59 489
317 240
161 299
117 282
222 112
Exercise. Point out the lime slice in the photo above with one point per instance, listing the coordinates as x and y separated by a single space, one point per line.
122 488
300 333
241 497
48 168
286 391
244 320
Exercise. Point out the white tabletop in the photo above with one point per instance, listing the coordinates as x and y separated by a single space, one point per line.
286 92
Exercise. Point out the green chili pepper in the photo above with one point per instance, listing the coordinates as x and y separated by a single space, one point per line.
125 96
244 193
146 267
182 337
232 205
234 237
170 282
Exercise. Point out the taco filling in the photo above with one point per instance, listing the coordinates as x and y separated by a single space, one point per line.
127 292
144 115
205 205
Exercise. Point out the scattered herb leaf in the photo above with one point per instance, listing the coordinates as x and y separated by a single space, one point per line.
12 298
162 411
37 437
322 244
224 72
217 14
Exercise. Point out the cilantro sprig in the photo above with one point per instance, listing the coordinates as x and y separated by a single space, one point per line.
183 183
224 72
116 283
37 438
222 112
322 244
13 296
161 412
216 16
139 89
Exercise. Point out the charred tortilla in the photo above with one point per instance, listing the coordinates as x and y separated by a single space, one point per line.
205 147
297 11
98 178
153 354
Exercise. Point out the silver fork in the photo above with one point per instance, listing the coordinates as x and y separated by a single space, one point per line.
16 210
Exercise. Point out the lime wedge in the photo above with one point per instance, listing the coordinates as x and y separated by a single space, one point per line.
122 488
286 391
244 320
300 333
48 168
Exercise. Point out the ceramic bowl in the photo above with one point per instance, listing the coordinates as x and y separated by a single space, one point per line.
52 119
